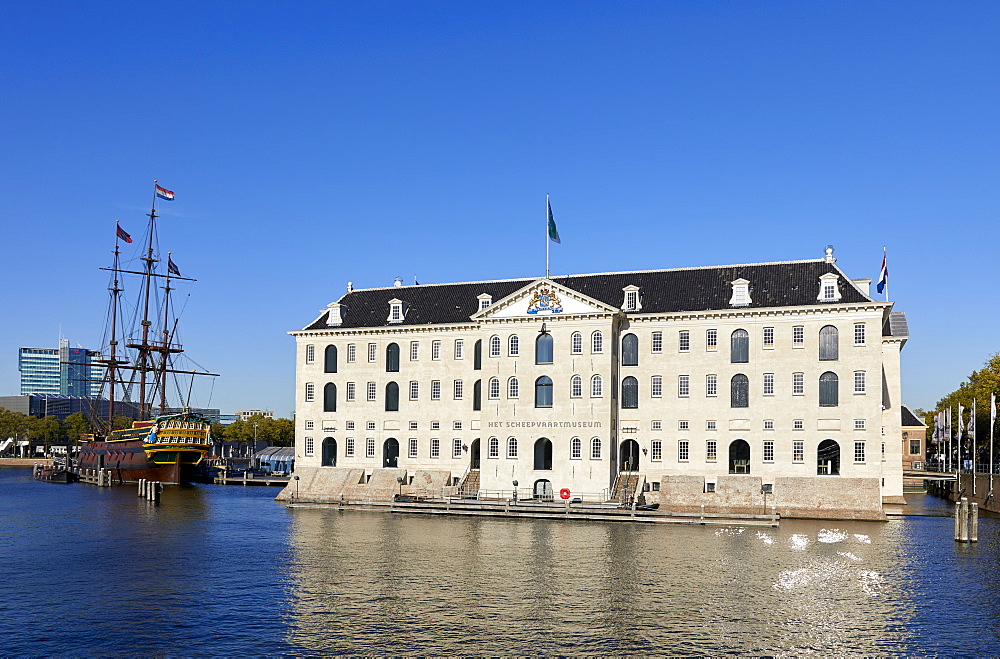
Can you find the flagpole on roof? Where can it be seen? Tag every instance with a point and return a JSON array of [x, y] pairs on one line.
[[884, 256], [154, 196], [546, 235]]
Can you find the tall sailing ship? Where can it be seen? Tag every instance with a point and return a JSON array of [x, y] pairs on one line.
[[158, 446]]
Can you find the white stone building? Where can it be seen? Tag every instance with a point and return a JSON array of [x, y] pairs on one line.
[[735, 387]]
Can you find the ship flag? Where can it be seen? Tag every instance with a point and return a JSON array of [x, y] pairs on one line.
[[172, 267], [123, 235], [168, 195]]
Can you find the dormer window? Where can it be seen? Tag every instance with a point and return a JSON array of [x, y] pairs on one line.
[[334, 316], [741, 293], [396, 311], [632, 301], [485, 300], [829, 289]]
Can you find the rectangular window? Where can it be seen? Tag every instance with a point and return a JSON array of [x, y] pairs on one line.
[[798, 424], [656, 387], [413, 425], [798, 451], [710, 424], [798, 336], [683, 424], [310, 392], [435, 425], [352, 353], [656, 450], [684, 341], [310, 354], [768, 337], [494, 450], [414, 390], [883, 457], [456, 448], [683, 385], [435, 448], [859, 424], [769, 384], [371, 391], [859, 334], [413, 447], [459, 349], [711, 339], [798, 384], [683, 450], [458, 390], [711, 385], [372, 352], [371, 425], [309, 446], [435, 389], [859, 451], [457, 425], [350, 425], [859, 382], [414, 350], [351, 391], [711, 450], [370, 447], [511, 448], [657, 341], [768, 450], [435, 350], [309, 425], [769, 424], [349, 450], [656, 425], [914, 447]]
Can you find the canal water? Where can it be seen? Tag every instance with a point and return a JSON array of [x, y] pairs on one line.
[[226, 570]]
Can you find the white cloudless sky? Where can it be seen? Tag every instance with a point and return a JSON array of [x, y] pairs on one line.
[[315, 143]]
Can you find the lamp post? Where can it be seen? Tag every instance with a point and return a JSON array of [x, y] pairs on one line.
[[296, 479], [399, 481], [515, 492], [251, 450]]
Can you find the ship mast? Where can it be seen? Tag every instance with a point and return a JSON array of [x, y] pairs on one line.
[[162, 379], [145, 350]]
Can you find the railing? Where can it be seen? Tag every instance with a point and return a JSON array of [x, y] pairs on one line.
[[965, 467]]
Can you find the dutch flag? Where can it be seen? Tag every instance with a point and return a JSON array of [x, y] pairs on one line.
[[883, 276], [163, 193]]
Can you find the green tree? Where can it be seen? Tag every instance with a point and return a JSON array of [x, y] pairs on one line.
[[976, 390], [47, 431], [77, 425], [122, 423]]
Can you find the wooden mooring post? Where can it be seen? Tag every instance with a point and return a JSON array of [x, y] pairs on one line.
[[962, 521]]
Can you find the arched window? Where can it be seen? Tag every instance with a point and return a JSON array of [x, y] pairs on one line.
[[575, 386], [513, 388], [494, 388], [513, 345], [829, 344], [597, 342], [330, 359], [477, 356], [828, 389], [630, 393], [543, 454], [543, 349], [739, 391], [494, 447], [477, 396], [595, 448], [543, 391], [575, 448], [596, 386], [828, 458], [392, 397], [330, 397], [630, 350], [512, 447], [739, 347], [576, 343], [392, 358], [494, 346]]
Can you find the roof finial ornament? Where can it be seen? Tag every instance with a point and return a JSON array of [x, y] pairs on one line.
[[350, 287], [398, 281], [829, 255]]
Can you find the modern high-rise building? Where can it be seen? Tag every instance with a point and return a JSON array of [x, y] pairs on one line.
[[64, 370]]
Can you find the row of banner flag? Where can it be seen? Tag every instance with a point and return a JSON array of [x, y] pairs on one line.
[[167, 195], [942, 433]]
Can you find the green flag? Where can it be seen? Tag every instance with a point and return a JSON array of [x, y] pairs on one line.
[[553, 232]]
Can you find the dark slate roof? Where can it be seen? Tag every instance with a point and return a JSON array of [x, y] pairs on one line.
[[909, 418], [896, 325], [789, 283]]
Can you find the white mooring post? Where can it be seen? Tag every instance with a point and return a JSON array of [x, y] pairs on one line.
[[958, 521], [963, 520], [974, 523], [142, 484]]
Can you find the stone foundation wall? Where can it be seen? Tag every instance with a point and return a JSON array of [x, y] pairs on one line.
[[802, 497], [328, 484]]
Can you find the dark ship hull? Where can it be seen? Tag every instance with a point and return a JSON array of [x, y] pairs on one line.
[[168, 450]]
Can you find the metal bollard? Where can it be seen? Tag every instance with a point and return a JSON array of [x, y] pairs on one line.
[[142, 484], [702, 513], [157, 488], [974, 523]]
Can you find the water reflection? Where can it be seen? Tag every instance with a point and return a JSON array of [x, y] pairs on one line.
[[370, 582]]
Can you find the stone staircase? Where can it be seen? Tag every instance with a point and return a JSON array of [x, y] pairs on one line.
[[469, 488], [625, 483]]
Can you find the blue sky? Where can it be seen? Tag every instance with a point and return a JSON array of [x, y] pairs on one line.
[[315, 143]]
